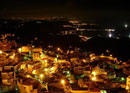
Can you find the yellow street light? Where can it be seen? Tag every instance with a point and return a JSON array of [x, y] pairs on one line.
[[58, 49], [93, 78], [46, 69], [12, 56], [92, 58], [29, 66], [52, 68], [41, 75], [71, 52], [94, 73], [28, 76], [20, 50], [127, 87], [1, 51], [110, 55], [55, 60], [22, 66], [46, 60], [68, 51], [34, 72], [63, 82]]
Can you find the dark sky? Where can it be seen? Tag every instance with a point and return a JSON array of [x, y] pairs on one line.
[[91, 9]]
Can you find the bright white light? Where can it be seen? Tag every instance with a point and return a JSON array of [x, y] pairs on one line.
[[20, 50], [113, 30], [126, 25], [129, 35], [110, 35]]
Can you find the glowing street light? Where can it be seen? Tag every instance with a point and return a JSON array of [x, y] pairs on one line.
[[52, 68], [20, 50], [34, 72], [46, 69], [22, 66], [126, 25], [12, 57], [41, 75], [46, 60], [127, 87], [28, 76], [107, 51], [71, 52], [110, 55], [94, 73], [58, 49], [93, 78], [41, 78], [1, 51], [110, 35], [91, 55], [63, 82], [55, 60]]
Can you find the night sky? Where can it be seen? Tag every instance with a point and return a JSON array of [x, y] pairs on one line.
[[90, 9]]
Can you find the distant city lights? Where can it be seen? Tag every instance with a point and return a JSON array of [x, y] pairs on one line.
[[72, 63], [110, 30]]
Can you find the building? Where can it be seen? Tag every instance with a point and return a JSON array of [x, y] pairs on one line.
[[36, 56], [36, 52], [128, 83], [28, 85], [7, 76]]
